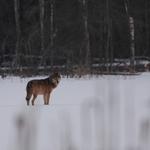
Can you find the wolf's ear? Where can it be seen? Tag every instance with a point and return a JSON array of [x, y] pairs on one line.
[[57, 73]]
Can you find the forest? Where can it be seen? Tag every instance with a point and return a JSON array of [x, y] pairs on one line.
[[76, 37]]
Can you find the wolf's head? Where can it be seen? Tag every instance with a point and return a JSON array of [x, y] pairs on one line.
[[55, 78]]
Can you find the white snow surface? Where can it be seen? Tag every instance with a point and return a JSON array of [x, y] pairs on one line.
[[91, 113]]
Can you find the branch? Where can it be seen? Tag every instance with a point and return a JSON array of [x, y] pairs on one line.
[[138, 57]]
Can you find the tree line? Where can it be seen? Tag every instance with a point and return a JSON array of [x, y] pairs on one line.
[[73, 36]]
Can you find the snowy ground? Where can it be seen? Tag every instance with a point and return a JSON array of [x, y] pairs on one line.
[[104, 113]]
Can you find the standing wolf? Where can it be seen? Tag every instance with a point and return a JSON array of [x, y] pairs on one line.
[[43, 87]]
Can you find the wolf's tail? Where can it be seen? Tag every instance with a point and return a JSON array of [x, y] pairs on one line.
[[29, 90]]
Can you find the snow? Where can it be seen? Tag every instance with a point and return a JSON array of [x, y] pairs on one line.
[[98, 113]]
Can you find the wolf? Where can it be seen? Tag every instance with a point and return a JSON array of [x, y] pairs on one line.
[[147, 67], [42, 87]]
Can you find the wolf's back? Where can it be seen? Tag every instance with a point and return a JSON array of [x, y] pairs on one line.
[[29, 90]]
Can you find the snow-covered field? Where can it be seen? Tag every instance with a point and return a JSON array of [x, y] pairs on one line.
[[101, 113]]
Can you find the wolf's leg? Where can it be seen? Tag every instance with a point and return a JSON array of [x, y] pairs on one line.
[[34, 97], [48, 98], [45, 98], [28, 102], [28, 98]]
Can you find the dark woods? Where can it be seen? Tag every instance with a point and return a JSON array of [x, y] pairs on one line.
[[76, 37]]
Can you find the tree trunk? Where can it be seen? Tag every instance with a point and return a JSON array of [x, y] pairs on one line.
[[18, 31], [41, 4], [132, 44], [52, 35], [86, 37], [147, 27], [101, 43], [131, 27], [41, 7], [111, 47], [108, 35]]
